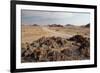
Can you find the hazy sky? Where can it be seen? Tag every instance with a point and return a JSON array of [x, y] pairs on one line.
[[53, 17]]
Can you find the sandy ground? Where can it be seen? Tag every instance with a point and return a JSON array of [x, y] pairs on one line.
[[31, 33]]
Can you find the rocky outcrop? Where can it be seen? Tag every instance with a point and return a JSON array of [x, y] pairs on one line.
[[56, 49]]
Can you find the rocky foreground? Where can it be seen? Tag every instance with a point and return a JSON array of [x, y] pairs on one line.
[[56, 49]]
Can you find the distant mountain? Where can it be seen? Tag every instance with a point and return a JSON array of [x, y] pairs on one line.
[[69, 25], [55, 25], [35, 25], [87, 25]]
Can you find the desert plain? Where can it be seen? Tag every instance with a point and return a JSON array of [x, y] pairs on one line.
[[56, 42]]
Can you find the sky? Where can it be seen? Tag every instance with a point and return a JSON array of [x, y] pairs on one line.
[[29, 17]]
